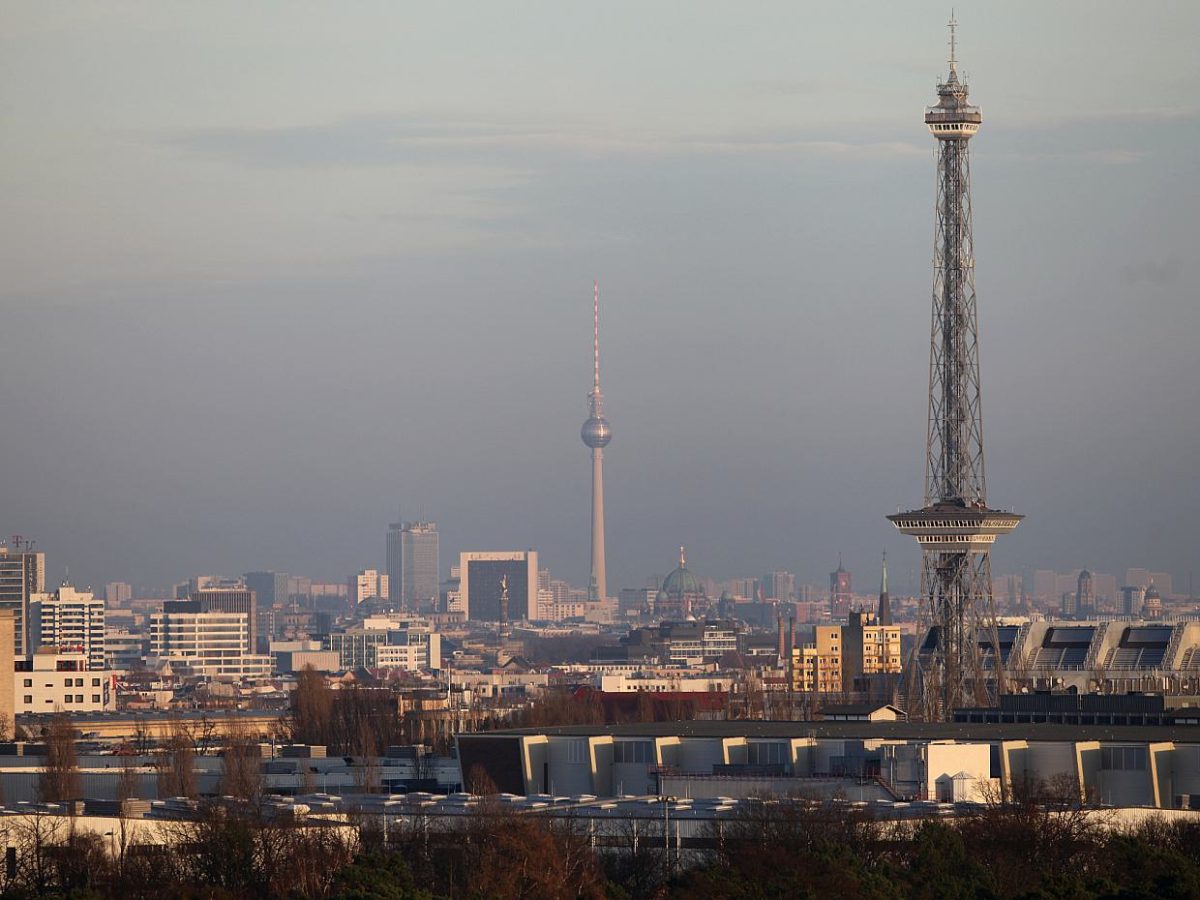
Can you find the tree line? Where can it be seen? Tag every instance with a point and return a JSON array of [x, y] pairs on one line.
[[1031, 845]]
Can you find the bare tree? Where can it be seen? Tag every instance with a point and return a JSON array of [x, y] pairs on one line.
[[59, 779], [176, 765], [243, 771]]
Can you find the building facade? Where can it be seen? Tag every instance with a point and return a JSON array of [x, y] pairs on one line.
[[413, 564], [22, 573], [482, 576], [205, 643], [50, 681], [70, 621]]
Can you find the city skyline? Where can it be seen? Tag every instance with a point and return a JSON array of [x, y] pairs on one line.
[[146, 424]]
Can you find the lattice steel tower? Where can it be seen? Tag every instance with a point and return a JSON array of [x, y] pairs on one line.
[[958, 660]]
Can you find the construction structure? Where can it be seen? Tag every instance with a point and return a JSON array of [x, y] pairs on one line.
[[596, 433], [955, 528]]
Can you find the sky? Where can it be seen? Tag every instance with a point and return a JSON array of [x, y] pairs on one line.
[[276, 274]]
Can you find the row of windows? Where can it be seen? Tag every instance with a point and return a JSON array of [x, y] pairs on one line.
[[66, 699], [771, 754], [1129, 759], [641, 752], [67, 682]]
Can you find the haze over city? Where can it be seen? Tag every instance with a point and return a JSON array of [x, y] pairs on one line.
[[278, 276]]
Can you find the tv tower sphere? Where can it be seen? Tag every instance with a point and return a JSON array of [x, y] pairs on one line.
[[596, 432]]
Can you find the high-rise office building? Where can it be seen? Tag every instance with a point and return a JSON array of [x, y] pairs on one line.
[[69, 621], [22, 573], [226, 598], [270, 588], [1085, 594], [777, 586], [483, 577], [596, 433], [413, 564], [117, 593]]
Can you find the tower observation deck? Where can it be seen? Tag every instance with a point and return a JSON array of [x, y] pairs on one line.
[[955, 528]]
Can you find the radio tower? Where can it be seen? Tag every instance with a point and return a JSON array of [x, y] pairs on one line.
[[956, 527], [596, 434]]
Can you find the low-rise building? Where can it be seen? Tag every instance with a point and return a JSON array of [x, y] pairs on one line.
[[49, 681]]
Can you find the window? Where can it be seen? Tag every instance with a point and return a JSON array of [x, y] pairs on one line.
[[28, 682], [577, 750], [639, 752], [67, 699], [95, 698], [774, 753], [28, 699], [79, 698], [95, 682], [1128, 759]]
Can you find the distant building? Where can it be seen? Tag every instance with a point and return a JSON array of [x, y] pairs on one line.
[[1085, 594], [869, 649], [270, 588], [817, 666], [413, 564], [124, 650], [1132, 598], [777, 585], [367, 585], [682, 594], [69, 621], [676, 644], [480, 576], [118, 593], [212, 643], [229, 598], [1152, 605], [22, 572], [841, 593]]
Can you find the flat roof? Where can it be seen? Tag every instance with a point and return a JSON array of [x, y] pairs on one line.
[[938, 731]]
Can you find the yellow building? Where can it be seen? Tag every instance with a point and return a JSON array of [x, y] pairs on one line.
[[817, 667], [842, 658], [868, 649]]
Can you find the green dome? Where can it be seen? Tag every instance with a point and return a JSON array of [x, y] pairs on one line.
[[681, 581]]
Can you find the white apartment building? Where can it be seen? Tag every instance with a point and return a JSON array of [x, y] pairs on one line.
[[206, 643], [70, 621], [410, 649], [54, 682]]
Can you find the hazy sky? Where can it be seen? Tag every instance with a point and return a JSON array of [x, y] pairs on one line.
[[274, 271]]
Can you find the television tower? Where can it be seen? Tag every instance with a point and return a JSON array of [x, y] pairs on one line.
[[596, 434], [956, 527]]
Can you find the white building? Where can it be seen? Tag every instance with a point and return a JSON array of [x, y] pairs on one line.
[[123, 649], [54, 682], [69, 620], [410, 649], [367, 585], [206, 643]]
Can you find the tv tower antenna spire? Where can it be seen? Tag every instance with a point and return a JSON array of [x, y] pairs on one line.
[[596, 434], [956, 528]]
